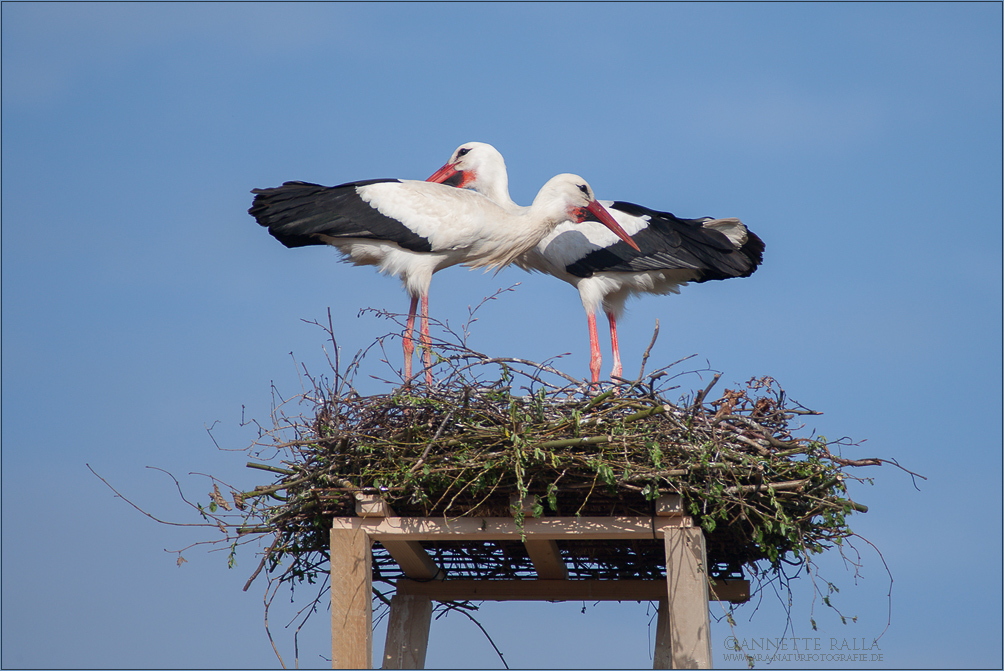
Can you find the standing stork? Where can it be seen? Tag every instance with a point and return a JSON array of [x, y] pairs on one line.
[[668, 252], [411, 229]]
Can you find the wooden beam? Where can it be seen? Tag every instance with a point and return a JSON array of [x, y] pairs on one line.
[[687, 592], [351, 600], [409, 555], [544, 554], [546, 558], [736, 591], [407, 632], [414, 560], [497, 528], [558, 590]]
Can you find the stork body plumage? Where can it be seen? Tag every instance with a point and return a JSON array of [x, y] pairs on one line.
[[668, 253], [412, 229]]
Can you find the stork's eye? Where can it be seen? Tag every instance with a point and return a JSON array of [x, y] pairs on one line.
[[462, 151], [584, 189]]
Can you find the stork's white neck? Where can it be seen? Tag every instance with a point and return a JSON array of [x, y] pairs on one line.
[[524, 227], [493, 183]]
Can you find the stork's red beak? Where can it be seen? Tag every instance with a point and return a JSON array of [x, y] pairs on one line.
[[607, 220], [448, 175]]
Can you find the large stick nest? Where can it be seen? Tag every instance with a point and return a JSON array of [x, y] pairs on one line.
[[494, 428]]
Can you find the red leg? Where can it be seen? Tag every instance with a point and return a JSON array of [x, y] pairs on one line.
[[409, 345], [595, 359], [426, 340], [613, 343]]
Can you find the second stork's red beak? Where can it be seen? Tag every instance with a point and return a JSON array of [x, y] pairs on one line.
[[607, 220]]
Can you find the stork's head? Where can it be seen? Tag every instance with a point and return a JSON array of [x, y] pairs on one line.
[[571, 198], [477, 166]]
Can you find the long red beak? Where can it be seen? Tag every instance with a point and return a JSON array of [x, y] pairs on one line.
[[601, 213], [445, 174]]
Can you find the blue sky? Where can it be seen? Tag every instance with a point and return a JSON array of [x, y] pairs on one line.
[[141, 303]]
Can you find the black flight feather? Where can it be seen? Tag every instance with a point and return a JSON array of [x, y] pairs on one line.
[[300, 213], [672, 243]]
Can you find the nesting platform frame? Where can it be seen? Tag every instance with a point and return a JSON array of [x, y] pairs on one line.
[[683, 625]]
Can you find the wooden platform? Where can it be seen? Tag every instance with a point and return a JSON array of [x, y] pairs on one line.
[[683, 629]]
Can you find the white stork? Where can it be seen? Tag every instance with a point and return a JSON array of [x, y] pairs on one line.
[[411, 229], [669, 251]]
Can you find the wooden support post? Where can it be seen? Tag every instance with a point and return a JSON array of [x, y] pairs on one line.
[[663, 657], [351, 599], [407, 632], [687, 591]]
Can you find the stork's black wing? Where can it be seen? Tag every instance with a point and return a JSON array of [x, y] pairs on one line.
[[300, 213], [672, 243]]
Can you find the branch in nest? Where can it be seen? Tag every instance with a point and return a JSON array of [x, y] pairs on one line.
[[777, 486]]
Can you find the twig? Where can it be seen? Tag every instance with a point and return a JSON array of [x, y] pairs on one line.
[[856, 462], [268, 603], [654, 410], [155, 519], [261, 564], [648, 350], [439, 432], [912, 474], [777, 486], [455, 607], [570, 442], [704, 392], [275, 488], [596, 400], [273, 469]]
